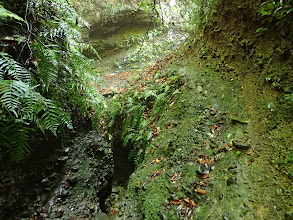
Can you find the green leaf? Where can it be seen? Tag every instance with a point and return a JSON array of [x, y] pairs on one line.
[[261, 30], [264, 12], [6, 16]]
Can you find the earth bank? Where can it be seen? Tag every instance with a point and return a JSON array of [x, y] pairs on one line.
[[222, 150]]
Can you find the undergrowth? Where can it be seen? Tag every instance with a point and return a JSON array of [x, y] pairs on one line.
[[130, 117], [44, 77]]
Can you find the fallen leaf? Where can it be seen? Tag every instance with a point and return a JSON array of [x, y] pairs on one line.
[[157, 160], [248, 153], [222, 148], [250, 162], [173, 178], [214, 127], [176, 202], [192, 203], [186, 200], [202, 191]]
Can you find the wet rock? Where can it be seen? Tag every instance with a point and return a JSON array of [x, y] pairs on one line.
[[75, 168], [63, 193], [240, 120], [73, 180], [115, 190], [240, 145], [59, 213], [203, 169], [45, 182], [231, 180], [101, 216]]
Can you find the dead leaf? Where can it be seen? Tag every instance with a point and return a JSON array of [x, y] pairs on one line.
[[214, 127], [251, 161], [192, 203], [186, 200], [176, 202], [222, 148], [202, 191], [248, 153], [158, 160], [174, 177]]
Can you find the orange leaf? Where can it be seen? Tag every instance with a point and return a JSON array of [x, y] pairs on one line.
[[248, 153], [250, 162], [201, 191], [176, 202], [192, 203], [186, 200], [205, 176]]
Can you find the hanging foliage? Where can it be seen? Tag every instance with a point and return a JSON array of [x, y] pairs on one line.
[[43, 74]]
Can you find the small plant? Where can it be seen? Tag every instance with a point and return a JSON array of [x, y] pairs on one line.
[[271, 106], [276, 9]]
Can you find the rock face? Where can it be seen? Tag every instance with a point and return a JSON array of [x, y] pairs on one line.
[[110, 37], [71, 183]]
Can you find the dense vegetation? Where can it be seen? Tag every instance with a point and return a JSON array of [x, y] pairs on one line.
[[206, 115], [44, 75]]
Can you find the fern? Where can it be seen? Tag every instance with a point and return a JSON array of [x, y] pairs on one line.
[[58, 78], [6, 16], [10, 69], [160, 104], [27, 105], [14, 139]]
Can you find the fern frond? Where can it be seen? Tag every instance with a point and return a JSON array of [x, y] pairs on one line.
[[49, 64], [27, 105], [149, 93], [11, 69], [12, 93], [6, 15], [14, 140], [160, 104]]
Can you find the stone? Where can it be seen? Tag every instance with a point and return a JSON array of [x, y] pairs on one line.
[[115, 190], [231, 180], [59, 213], [45, 182], [63, 193], [75, 168], [101, 216], [73, 180], [203, 169]]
